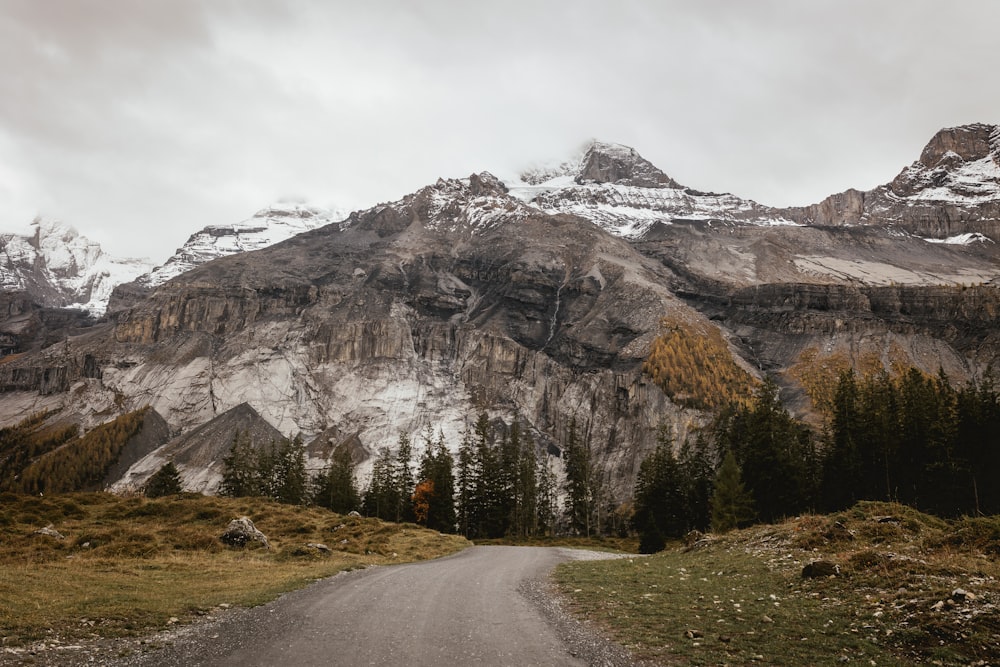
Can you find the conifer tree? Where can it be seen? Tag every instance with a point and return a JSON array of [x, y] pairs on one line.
[[732, 504], [165, 482], [660, 504], [404, 479], [240, 474], [578, 486], [775, 455], [697, 472], [436, 491], [526, 518], [381, 497], [547, 510], [288, 481], [467, 482], [335, 488]]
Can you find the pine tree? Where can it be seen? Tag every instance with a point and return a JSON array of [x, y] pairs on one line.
[[578, 487], [526, 519], [381, 498], [165, 482], [660, 503], [404, 479], [697, 473], [240, 474], [467, 482], [438, 482], [775, 454], [547, 510], [334, 488], [843, 470], [732, 504], [289, 481]]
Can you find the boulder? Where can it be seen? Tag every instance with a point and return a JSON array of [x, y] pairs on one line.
[[820, 568], [241, 531], [49, 531]]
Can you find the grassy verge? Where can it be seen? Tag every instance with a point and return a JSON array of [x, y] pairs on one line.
[[741, 599], [129, 566]]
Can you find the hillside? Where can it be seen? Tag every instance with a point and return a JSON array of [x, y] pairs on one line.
[[80, 571], [904, 588]]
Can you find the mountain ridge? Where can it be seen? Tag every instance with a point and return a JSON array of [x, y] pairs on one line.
[[465, 297]]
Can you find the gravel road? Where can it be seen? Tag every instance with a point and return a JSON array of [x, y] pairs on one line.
[[483, 606]]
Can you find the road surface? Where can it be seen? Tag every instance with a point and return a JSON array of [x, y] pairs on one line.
[[466, 609]]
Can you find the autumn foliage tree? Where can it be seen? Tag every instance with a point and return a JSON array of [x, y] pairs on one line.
[[59, 460], [422, 495], [695, 368]]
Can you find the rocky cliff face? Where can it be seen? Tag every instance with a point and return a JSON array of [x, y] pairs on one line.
[[454, 300], [620, 191], [537, 300]]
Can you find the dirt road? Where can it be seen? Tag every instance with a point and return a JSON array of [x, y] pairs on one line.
[[469, 609]]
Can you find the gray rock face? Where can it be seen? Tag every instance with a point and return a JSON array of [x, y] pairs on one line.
[[614, 163], [198, 453], [455, 300]]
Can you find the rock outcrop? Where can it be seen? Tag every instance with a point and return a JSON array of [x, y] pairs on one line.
[[267, 227], [241, 532]]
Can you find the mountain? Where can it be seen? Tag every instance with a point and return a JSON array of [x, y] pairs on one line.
[[540, 300], [56, 267], [267, 227], [951, 193], [617, 189]]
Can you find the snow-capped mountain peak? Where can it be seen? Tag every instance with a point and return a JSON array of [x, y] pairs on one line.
[[960, 165], [61, 268], [614, 187], [267, 226]]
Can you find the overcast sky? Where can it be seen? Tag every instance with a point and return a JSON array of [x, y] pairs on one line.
[[142, 121]]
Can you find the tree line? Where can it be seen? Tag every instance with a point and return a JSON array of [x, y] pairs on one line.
[[496, 485], [909, 438]]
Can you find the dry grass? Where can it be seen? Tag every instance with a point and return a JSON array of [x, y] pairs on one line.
[[706, 605], [132, 565]]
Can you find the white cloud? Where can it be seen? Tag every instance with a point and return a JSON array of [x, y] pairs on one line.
[[139, 123]]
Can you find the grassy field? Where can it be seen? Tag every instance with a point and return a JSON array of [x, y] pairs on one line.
[[127, 566], [741, 599]]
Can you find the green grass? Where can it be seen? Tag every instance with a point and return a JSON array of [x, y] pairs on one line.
[[131, 565], [707, 605]]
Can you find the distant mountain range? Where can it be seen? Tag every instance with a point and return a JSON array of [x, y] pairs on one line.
[[538, 299]]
